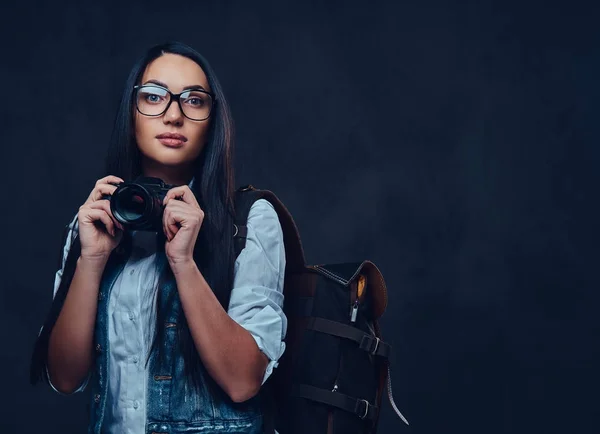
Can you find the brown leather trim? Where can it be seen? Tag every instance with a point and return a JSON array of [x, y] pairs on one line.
[[376, 288], [293, 243], [301, 284]]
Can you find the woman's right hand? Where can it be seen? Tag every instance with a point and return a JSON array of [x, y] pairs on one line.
[[99, 232]]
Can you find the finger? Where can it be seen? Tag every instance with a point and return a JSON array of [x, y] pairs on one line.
[[100, 190], [109, 179], [164, 226], [182, 192], [184, 209], [177, 205], [94, 215], [185, 213], [105, 206], [172, 226], [173, 221], [168, 232]]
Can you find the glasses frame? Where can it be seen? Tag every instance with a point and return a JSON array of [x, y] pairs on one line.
[[174, 97]]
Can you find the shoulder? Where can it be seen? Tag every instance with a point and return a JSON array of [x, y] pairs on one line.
[[263, 219], [264, 249], [265, 234], [262, 206]]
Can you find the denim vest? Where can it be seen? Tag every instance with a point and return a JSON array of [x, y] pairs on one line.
[[172, 406]]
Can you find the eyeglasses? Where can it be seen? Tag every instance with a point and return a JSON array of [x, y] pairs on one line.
[[154, 100]]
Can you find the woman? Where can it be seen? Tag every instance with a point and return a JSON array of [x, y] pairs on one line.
[[173, 333]]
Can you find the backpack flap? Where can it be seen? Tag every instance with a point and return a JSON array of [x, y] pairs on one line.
[[348, 274], [333, 367]]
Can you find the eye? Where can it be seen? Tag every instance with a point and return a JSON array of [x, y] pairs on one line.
[[152, 98], [153, 94], [194, 99]]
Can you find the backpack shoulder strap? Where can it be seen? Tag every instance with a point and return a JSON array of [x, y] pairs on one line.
[[294, 253], [244, 199], [40, 349]]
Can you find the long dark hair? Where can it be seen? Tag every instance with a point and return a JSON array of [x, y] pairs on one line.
[[214, 190], [213, 187]]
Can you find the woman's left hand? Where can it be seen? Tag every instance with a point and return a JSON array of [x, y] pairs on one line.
[[182, 220]]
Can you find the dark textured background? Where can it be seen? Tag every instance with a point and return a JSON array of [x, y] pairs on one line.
[[454, 144]]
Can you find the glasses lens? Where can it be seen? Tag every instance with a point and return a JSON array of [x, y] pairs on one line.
[[152, 100], [196, 104]]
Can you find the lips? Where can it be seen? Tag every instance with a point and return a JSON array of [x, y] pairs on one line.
[[172, 140]]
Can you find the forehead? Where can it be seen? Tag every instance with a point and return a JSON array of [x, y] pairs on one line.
[[176, 72]]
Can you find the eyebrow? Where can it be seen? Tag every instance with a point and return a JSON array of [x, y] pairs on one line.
[[160, 83]]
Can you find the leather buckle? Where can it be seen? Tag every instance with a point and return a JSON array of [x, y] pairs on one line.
[[377, 340], [370, 344], [366, 412]]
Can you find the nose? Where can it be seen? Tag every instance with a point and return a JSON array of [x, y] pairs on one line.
[[173, 115]]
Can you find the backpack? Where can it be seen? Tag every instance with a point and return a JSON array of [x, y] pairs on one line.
[[335, 368]]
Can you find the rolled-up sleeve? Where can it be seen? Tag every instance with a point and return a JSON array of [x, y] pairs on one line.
[[256, 301]]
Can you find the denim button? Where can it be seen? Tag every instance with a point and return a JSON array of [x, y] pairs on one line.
[[131, 316], [96, 398], [98, 348], [135, 359], [136, 404], [100, 296]]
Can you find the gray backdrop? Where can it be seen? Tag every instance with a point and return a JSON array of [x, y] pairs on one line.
[[453, 144]]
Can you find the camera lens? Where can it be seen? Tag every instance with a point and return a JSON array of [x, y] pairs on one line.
[[131, 204]]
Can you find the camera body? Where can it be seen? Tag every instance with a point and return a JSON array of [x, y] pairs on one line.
[[138, 205]]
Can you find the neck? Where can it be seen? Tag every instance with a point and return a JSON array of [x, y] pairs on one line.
[[174, 175]]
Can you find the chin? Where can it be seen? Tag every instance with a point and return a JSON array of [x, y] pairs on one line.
[[172, 162], [168, 159]]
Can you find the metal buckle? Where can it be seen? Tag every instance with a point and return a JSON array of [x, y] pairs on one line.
[[366, 408], [377, 340], [236, 229]]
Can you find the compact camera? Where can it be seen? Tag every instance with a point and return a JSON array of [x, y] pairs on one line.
[[138, 205]]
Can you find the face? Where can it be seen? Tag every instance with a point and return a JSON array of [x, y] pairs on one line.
[[171, 158]]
